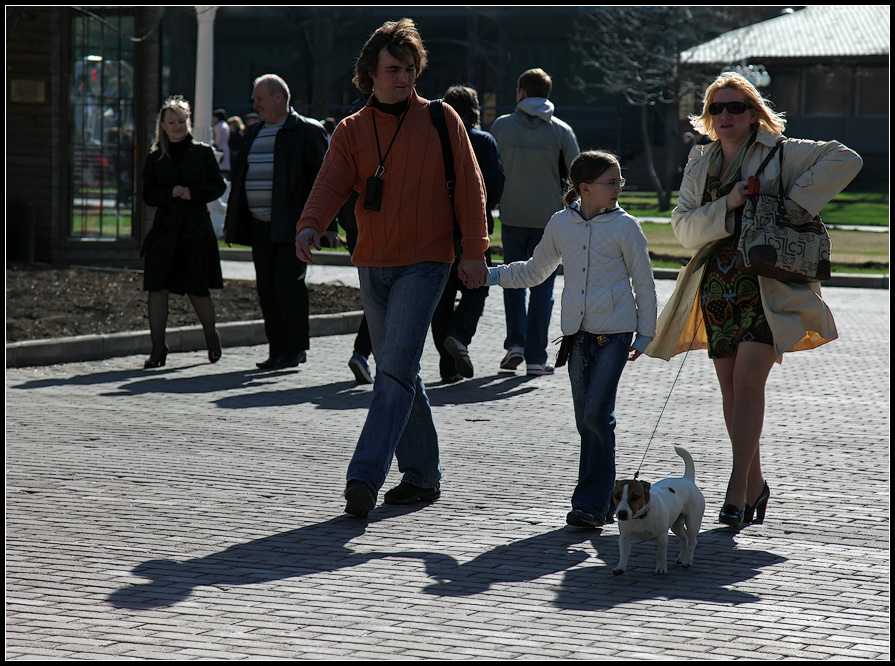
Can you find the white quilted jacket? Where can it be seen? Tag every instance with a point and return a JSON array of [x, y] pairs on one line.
[[606, 266]]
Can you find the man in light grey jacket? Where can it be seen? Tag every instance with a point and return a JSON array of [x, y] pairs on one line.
[[536, 149]]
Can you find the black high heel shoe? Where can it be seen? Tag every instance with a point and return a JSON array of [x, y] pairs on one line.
[[730, 515], [156, 361], [755, 514], [214, 354]]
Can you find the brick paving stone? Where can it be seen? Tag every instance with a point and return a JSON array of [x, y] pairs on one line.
[[195, 512]]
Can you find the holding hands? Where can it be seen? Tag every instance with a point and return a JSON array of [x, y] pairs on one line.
[[473, 272]]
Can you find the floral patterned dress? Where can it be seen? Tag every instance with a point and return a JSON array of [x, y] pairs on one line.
[[730, 298]]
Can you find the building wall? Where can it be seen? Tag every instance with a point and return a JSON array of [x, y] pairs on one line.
[[40, 170], [32, 176]]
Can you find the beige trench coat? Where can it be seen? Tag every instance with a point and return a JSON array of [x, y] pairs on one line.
[[813, 173]]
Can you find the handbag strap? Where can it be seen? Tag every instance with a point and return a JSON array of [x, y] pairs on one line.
[[781, 195], [767, 159]]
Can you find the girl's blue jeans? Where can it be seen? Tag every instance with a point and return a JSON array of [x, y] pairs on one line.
[[398, 304], [594, 372]]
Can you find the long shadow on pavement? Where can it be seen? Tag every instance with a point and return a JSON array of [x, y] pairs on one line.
[[269, 391], [323, 547], [593, 588], [312, 549], [719, 564], [348, 395]]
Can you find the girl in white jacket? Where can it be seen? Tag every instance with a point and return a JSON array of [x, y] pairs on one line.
[[609, 296]]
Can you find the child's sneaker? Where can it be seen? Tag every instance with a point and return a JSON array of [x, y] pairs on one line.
[[539, 369]]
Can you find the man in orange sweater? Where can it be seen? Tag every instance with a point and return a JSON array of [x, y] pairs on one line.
[[390, 152]]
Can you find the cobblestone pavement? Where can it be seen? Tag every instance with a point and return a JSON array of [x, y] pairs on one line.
[[195, 512]]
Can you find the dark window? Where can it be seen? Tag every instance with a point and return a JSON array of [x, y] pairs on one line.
[[784, 91], [101, 102], [873, 91], [829, 91]]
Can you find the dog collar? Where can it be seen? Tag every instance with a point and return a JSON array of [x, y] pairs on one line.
[[643, 515]]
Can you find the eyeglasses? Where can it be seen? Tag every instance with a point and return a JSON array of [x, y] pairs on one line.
[[613, 183], [736, 108]]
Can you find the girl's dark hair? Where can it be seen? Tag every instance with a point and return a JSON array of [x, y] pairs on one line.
[[402, 40], [587, 167], [465, 101]]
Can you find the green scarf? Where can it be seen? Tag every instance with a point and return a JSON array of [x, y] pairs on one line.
[[718, 185]]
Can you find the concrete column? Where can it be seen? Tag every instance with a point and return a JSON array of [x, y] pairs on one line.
[[204, 99]]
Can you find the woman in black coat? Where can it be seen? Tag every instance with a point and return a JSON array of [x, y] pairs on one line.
[[180, 177]]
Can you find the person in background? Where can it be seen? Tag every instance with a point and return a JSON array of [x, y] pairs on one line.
[[180, 177], [453, 328], [747, 322], [237, 129], [274, 173], [222, 139], [536, 149]]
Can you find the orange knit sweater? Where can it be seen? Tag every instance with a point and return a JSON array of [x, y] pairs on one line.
[[415, 222]]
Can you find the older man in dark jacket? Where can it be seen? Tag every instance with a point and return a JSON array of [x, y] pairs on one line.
[[272, 177]]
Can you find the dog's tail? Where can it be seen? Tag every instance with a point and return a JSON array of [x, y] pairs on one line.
[[689, 467]]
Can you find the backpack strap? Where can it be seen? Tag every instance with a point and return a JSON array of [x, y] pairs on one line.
[[436, 110]]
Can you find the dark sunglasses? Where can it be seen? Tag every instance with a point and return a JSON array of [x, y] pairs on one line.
[[736, 108]]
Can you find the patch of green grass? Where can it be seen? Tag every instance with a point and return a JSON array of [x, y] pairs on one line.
[[847, 208], [108, 223], [853, 251]]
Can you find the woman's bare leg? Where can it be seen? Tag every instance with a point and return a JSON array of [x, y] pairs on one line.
[[743, 378]]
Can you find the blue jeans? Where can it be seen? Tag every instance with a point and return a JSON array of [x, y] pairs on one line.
[[398, 304], [594, 372], [527, 329]]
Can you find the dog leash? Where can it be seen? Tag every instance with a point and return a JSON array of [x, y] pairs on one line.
[[668, 397]]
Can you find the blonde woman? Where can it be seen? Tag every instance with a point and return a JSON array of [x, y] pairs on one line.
[[179, 178], [745, 322]]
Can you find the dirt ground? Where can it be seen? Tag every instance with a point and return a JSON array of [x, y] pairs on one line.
[[44, 302]]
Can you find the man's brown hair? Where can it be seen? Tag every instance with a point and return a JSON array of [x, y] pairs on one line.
[[402, 40], [536, 83]]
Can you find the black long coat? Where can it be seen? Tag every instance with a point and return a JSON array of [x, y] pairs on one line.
[[181, 249]]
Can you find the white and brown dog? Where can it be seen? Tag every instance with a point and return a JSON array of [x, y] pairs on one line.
[[647, 512]]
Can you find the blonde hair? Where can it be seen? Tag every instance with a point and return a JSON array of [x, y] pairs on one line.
[[587, 167], [772, 121], [174, 103]]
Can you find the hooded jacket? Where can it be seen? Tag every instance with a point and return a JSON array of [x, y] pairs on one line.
[[532, 144]]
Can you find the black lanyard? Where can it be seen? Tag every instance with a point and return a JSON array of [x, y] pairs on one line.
[[381, 169]]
